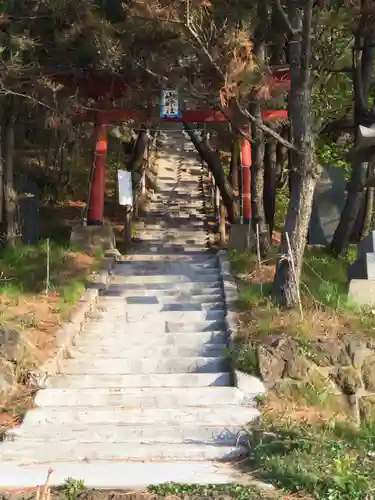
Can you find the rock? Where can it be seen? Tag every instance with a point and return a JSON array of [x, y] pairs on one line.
[[10, 340], [358, 352], [349, 379], [330, 352], [368, 373], [367, 408], [298, 368], [271, 366], [7, 375]]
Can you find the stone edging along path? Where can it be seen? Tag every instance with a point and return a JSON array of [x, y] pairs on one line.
[[248, 384], [69, 330]]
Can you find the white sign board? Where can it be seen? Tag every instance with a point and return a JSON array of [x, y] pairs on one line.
[[125, 189], [170, 106]]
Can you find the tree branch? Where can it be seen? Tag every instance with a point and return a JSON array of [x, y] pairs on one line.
[[288, 27]]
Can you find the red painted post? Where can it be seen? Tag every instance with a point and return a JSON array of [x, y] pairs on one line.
[[246, 179], [96, 203]]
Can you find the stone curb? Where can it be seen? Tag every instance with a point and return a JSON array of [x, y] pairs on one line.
[[68, 331], [251, 386]]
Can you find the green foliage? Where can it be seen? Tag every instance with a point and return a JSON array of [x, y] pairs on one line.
[[332, 462], [73, 488], [330, 154], [235, 491], [23, 269]]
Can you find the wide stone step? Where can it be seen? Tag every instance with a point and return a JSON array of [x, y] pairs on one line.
[[166, 270], [117, 475], [142, 397], [213, 415], [202, 301], [147, 351], [138, 313], [196, 293], [143, 434], [125, 339], [164, 279], [33, 453], [104, 380], [204, 287], [147, 365], [196, 259], [118, 326]]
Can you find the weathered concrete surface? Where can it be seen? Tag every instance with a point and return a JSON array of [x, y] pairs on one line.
[[145, 394]]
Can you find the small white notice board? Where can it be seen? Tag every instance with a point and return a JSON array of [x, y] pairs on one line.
[[125, 189]]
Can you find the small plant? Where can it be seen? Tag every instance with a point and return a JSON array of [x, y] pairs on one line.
[[73, 488], [214, 491]]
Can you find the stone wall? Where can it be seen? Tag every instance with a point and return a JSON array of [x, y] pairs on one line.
[[338, 373]]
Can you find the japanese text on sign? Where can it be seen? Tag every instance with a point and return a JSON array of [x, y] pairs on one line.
[[170, 107]]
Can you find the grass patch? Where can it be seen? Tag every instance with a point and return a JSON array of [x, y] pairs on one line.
[[235, 491], [330, 462], [315, 451]]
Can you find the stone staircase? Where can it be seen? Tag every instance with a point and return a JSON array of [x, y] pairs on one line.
[[146, 396]]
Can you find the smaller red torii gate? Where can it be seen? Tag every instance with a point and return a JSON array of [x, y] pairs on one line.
[[110, 88]]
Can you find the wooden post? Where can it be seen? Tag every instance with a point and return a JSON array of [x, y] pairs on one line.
[[246, 179], [222, 224]]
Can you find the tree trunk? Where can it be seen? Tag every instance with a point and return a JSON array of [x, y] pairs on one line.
[[136, 161], [302, 175], [10, 195], [362, 67], [257, 168], [234, 177], [213, 162]]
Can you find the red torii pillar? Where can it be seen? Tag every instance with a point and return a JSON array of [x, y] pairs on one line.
[[95, 212]]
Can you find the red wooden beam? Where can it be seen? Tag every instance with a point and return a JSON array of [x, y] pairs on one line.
[[189, 116]]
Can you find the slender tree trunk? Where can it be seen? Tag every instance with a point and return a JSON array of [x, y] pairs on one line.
[[257, 168], [234, 177], [302, 176], [2, 174], [213, 162], [137, 158], [10, 195]]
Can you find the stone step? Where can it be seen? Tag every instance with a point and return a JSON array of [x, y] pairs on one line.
[[136, 313], [195, 293], [166, 270], [200, 434], [195, 259], [155, 339], [62, 451], [105, 380], [142, 398], [118, 326], [117, 475], [205, 301], [203, 286], [214, 415], [165, 279], [148, 351], [147, 365]]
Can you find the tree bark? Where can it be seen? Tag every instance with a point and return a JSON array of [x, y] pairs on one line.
[[302, 175], [10, 195], [363, 57], [234, 176], [136, 161], [213, 162], [257, 168]]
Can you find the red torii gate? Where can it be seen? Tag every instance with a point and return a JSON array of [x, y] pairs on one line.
[[114, 87]]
